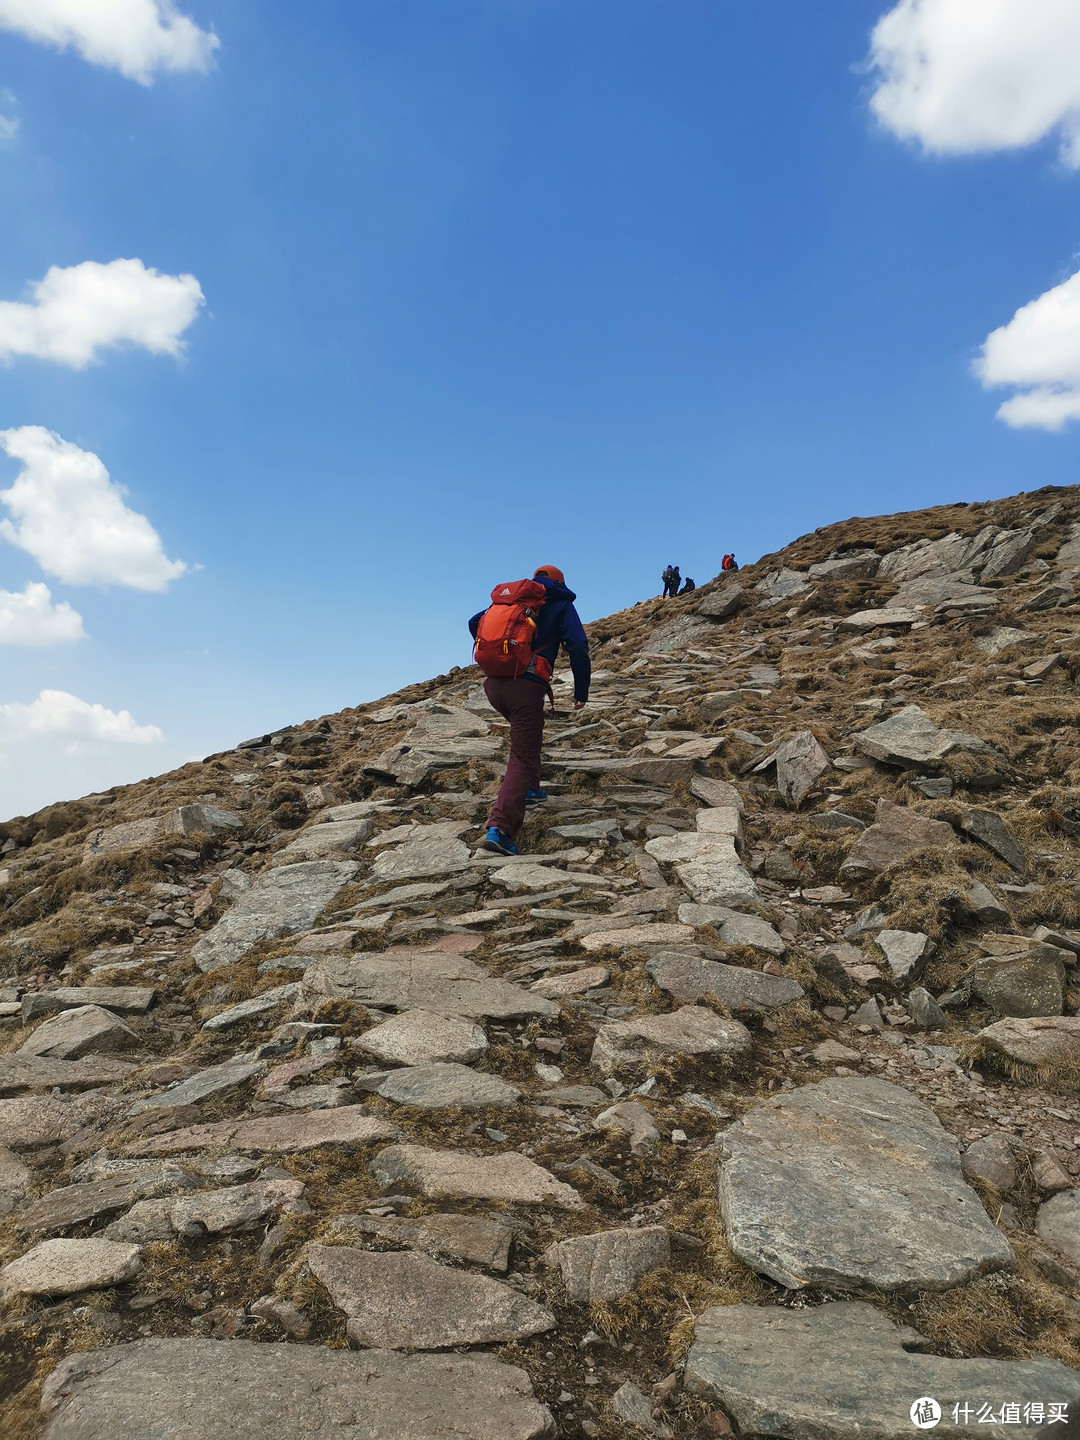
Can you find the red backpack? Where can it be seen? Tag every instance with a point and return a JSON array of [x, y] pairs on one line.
[[505, 633]]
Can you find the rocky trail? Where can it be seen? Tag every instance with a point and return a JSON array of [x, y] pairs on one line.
[[744, 1102]]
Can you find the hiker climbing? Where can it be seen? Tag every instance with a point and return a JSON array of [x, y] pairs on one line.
[[729, 563], [688, 585], [672, 580], [517, 642]]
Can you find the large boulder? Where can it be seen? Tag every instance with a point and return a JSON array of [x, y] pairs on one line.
[[138, 834], [282, 901], [1031, 982], [910, 738], [849, 1184], [1044, 1043], [844, 1371], [897, 833], [426, 980]]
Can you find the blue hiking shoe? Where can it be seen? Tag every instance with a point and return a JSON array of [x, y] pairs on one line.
[[500, 843], [534, 796]]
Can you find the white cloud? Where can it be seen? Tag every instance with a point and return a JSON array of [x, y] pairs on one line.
[[29, 617], [9, 124], [963, 76], [72, 519], [77, 311], [136, 37], [57, 714], [1038, 351]]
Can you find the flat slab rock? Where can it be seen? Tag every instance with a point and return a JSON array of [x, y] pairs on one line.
[[332, 837], [42, 1072], [64, 1267], [688, 979], [708, 866], [608, 1265], [282, 901], [845, 1372], [124, 999], [86, 1030], [735, 928], [462, 1237], [911, 738], [896, 833], [406, 1301], [237, 1207], [72, 1204], [627, 938], [447, 984], [214, 1080], [1049, 1042], [510, 1178], [691, 1030], [417, 859], [853, 1183], [27, 1122], [419, 1037], [431, 1087], [249, 1391], [349, 1126]]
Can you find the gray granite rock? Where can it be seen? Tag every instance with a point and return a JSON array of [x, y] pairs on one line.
[[427, 980], [897, 833], [835, 822], [431, 1087], [853, 1183], [1026, 984], [910, 738], [282, 901], [64, 1267], [237, 1207], [214, 1080], [718, 794], [857, 565], [28, 1122], [924, 1009], [591, 830], [784, 584], [981, 904], [609, 1264], [571, 982], [420, 1037], [41, 1072], [124, 999], [407, 1301], [993, 1159], [332, 837], [689, 978], [461, 1237], [138, 834], [86, 1030], [735, 928], [350, 1127], [690, 1030], [1048, 1043], [257, 1005], [708, 865], [416, 859], [728, 600], [1058, 1223], [1011, 550], [249, 1391], [72, 1204], [629, 1405], [15, 1182], [907, 952], [885, 617], [799, 762], [510, 1178], [990, 830], [946, 556], [632, 1119], [844, 1371]]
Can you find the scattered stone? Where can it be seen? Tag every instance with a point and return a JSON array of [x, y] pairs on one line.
[[1058, 1223], [993, 1160], [593, 830], [124, 999], [257, 1005], [608, 1265], [1026, 984], [835, 822], [907, 952], [717, 794], [334, 837], [689, 978], [844, 1371], [407, 1301], [867, 922], [629, 1118], [1048, 1172], [349, 1126], [251, 1391], [138, 834], [728, 600], [426, 980], [282, 901], [713, 705], [575, 982], [418, 858], [201, 1086], [852, 1183], [86, 1030], [896, 834], [691, 1030], [990, 830], [15, 1180], [910, 738], [431, 1087], [1002, 637], [933, 787], [868, 1013], [64, 1267], [799, 762], [284, 1313], [708, 866], [924, 1010], [510, 1178], [461, 1237], [238, 1207], [981, 904], [420, 1037], [735, 928], [629, 1405]]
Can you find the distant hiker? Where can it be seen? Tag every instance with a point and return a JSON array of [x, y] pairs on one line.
[[676, 581], [729, 563], [517, 642], [666, 576], [688, 585]]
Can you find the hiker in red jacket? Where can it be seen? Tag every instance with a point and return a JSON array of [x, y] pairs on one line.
[[729, 563], [533, 619]]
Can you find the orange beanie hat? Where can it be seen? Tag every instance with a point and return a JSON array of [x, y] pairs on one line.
[[552, 572]]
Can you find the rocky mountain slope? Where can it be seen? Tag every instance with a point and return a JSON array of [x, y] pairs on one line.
[[744, 1102]]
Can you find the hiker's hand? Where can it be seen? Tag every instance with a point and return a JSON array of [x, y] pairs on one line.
[[579, 704]]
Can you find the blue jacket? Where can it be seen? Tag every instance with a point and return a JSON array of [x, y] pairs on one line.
[[559, 625]]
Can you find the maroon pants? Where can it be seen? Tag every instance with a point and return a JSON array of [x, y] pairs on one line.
[[521, 702]]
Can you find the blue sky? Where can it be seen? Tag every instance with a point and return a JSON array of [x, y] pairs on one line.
[[489, 284]]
